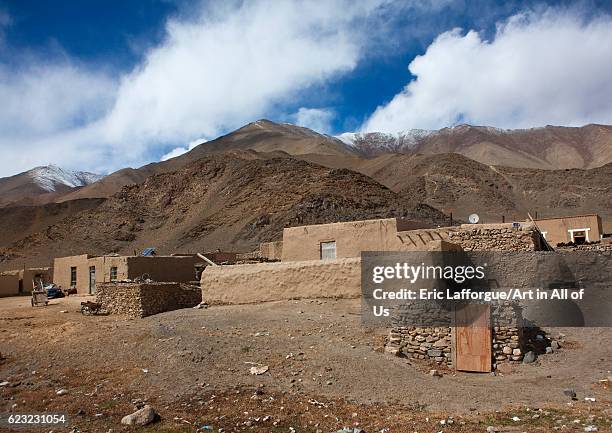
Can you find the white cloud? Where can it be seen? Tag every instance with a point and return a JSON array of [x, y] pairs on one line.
[[228, 65], [553, 67], [178, 151], [317, 119]]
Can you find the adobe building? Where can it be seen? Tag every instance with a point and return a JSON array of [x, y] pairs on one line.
[[30, 277], [349, 239], [22, 282], [84, 271], [577, 229]]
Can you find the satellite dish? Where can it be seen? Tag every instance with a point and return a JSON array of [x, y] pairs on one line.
[[474, 218]]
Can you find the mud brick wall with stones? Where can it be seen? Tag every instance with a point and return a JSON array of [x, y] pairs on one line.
[[498, 237], [145, 299], [421, 343]]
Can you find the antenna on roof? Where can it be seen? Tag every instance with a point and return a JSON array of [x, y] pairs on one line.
[[474, 218]]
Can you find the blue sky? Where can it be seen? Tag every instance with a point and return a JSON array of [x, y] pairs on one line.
[[100, 85]]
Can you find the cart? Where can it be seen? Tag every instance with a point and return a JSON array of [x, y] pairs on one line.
[[39, 297]]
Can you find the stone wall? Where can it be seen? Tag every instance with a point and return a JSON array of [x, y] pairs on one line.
[[145, 299], [435, 343], [422, 343], [496, 237]]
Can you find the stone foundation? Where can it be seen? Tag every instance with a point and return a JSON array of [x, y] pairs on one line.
[[145, 299]]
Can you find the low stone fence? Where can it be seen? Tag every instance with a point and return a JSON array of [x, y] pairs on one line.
[[145, 299], [244, 284]]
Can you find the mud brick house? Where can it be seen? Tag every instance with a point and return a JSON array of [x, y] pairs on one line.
[[84, 271], [577, 229], [22, 281], [349, 239]]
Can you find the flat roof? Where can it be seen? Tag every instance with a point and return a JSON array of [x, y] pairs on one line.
[[568, 217]]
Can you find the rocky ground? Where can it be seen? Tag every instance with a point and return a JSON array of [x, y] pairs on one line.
[[321, 370]]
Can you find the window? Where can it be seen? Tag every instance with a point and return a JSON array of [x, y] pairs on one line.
[[328, 250], [73, 276], [579, 236], [113, 273]]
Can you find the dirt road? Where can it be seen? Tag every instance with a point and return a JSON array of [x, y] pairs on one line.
[[326, 371]]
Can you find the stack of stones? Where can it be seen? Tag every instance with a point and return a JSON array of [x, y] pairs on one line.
[[432, 343], [508, 344], [496, 238], [137, 300]]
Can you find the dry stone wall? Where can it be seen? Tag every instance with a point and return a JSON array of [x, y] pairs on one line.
[[497, 237], [145, 299], [422, 343]]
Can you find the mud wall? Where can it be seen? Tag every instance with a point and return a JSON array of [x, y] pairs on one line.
[[137, 300], [243, 284], [271, 250], [9, 285], [163, 268]]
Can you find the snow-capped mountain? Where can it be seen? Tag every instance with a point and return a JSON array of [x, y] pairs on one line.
[[49, 177], [397, 142], [42, 185], [548, 147]]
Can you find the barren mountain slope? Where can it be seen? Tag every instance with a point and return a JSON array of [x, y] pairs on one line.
[[227, 201], [455, 183], [260, 136], [550, 147]]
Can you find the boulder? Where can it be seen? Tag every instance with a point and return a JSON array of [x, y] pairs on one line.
[[529, 357], [141, 417]]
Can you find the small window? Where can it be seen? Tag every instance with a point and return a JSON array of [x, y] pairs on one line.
[[328, 250], [113, 273], [73, 276]]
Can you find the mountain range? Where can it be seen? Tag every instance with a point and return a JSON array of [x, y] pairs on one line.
[[244, 187]]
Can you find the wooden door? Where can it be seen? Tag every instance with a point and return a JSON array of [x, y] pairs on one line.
[[473, 338]]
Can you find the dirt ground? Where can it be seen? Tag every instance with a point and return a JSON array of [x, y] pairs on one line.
[[326, 372]]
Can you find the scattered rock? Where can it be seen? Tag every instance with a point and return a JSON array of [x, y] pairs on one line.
[[491, 429], [590, 428], [62, 391], [555, 345], [259, 370], [4, 383], [141, 417], [570, 393], [529, 357], [435, 373]]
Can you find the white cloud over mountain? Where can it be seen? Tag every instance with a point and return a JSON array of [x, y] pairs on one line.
[[233, 62], [317, 119], [552, 67]]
